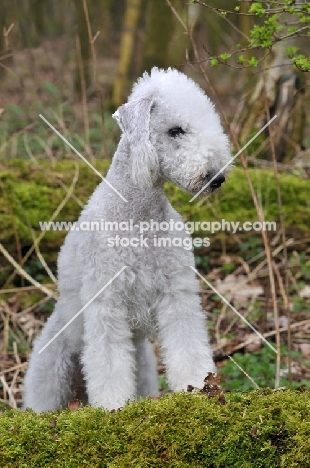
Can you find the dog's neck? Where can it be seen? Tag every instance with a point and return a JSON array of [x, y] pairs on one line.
[[143, 204]]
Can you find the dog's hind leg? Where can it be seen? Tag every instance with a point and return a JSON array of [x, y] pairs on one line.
[[147, 378], [48, 381]]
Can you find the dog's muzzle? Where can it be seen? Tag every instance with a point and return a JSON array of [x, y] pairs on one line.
[[216, 182]]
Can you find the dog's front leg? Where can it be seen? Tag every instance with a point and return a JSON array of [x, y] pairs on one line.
[[183, 334], [108, 357]]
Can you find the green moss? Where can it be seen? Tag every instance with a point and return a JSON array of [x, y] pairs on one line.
[[31, 193], [257, 429], [234, 202]]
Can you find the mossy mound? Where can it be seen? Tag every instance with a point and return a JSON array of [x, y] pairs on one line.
[[234, 201], [31, 193], [257, 429]]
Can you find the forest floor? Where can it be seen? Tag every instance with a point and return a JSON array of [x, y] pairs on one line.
[[238, 271]]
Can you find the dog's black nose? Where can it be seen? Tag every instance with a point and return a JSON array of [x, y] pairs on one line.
[[217, 182]]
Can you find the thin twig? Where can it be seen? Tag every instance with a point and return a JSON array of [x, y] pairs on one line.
[[11, 369], [83, 88], [286, 304], [9, 391], [266, 335], [24, 288], [243, 371], [23, 273], [98, 90]]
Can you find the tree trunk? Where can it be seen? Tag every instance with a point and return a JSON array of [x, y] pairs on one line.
[[132, 14], [100, 15], [281, 89], [158, 32], [38, 16]]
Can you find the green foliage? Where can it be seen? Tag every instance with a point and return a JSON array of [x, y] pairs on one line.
[[299, 304], [257, 9], [301, 62], [35, 269], [260, 366], [49, 87], [202, 262], [263, 36], [251, 247], [225, 56], [273, 22], [15, 110], [19, 338], [257, 429], [228, 267], [291, 51], [162, 383], [252, 62], [304, 267]]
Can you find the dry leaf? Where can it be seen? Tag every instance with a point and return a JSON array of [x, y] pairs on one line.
[[74, 405], [221, 400], [213, 380], [305, 349], [14, 304]]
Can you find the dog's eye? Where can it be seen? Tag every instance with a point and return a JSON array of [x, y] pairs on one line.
[[175, 131]]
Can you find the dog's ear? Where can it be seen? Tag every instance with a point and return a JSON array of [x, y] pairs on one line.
[[133, 119]]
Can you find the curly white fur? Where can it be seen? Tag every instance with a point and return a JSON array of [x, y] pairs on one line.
[[158, 291]]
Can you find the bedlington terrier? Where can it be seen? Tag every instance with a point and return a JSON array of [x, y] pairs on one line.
[[170, 131]]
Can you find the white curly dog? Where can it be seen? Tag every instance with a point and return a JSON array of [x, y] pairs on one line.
[[170, 131]]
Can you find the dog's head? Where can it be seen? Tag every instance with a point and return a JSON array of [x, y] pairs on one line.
[[174, 133]]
